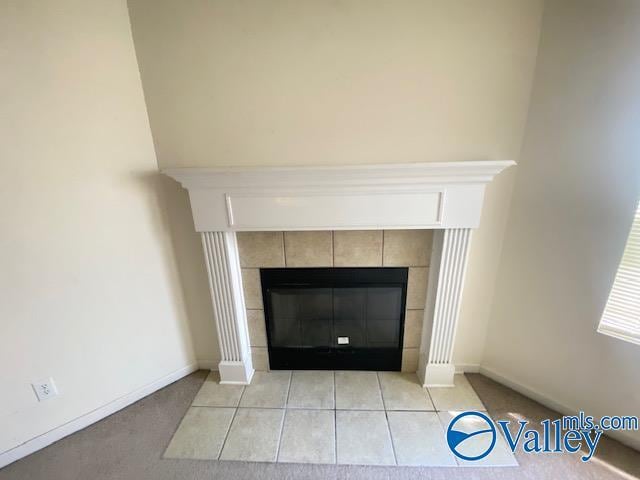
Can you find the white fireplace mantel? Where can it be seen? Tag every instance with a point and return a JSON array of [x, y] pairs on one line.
[[446, 197], [415, 195]]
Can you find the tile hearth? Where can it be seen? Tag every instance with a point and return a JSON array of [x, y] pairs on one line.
[[343, 417]]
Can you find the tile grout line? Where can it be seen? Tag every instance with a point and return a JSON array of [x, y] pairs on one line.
[[235, 411], [244, 387], [284, 414], [226, 435], [286, 401], [284, 250], [379, 390], [393, 447], [335, 420], [384, 405], [386, 419], [325, 409], [433, 404], [333, 374], [333, 249]]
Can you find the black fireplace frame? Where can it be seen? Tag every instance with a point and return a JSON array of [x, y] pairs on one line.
[[336, 357]]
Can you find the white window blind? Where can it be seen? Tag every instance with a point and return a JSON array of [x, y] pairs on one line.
[[621, 317]]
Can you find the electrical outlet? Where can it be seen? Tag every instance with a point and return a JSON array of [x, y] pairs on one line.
[[45, 389]]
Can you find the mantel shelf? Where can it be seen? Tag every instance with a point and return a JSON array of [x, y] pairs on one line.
[[410, 174]]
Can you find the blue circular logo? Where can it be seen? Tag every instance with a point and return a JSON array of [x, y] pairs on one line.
[[469, 425]]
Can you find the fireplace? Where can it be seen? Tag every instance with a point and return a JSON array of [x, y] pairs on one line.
[[445, 198], [334, 318]]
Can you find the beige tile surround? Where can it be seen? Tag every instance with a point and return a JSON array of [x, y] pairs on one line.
[[348, 248]]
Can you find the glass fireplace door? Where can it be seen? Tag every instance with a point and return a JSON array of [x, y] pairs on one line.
[[335, 318]]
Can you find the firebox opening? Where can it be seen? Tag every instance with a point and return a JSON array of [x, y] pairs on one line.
[[334, 318]]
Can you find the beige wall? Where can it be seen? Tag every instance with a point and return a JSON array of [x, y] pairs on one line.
[[577, 188], [89, 286], [341, 82]]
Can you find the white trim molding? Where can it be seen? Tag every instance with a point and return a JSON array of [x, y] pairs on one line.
[[626, 437], [414, 195], [445, 197], [448, 262], [83, 421], [225, 284], [467, 368], [208, 364]]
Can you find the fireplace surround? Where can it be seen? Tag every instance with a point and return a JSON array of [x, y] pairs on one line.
[[444, 197], [340, 249]]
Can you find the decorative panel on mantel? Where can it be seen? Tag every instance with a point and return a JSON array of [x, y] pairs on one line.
[[351, 197]]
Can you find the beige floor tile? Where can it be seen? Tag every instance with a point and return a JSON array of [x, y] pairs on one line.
[[500, 456], [402, 391], [459, 397], [201, 433], [254, 435], [363, 438], [308, 436], [407, 248], [419, 439], [308, 249], [212, 394], [267, 390], [261, 249], [358, 391], [311, 389], [357, 248]]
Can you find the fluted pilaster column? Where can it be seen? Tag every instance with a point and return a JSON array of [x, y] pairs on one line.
[[225, 284], [449, 261]]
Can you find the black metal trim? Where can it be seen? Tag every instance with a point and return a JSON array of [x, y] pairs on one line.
[[340, 358]]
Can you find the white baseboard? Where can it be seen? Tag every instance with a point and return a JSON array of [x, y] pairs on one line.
[[467, 368], [41, 441], [98, 414], [527, 391], [206, 364]]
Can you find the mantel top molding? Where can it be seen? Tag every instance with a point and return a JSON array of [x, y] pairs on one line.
[[410, 195], [410, 174]]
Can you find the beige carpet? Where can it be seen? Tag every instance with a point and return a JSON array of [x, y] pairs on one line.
[[130, 443]]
